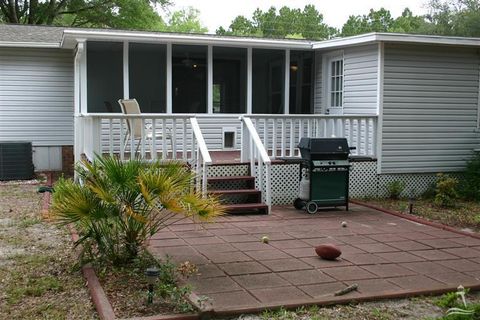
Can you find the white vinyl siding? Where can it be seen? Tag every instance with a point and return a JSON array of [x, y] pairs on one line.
[[360, 80], [317, 98], [360, 70], [36, 96], [429, 109]]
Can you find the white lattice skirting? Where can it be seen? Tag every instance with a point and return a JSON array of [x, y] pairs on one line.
[[364, 181]]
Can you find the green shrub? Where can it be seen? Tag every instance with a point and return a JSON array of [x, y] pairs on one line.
[[446, 191], [471, 184], [395, 189], [429, 193], [448, 300], [119, 205]]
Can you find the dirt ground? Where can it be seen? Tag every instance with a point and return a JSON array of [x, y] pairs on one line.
[[39, 275], [40, 278]]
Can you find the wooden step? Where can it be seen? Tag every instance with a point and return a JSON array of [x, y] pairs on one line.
[[235, 192], [230, 178], [246, 208]]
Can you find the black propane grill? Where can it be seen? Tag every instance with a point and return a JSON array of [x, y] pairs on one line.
[[325, 168]]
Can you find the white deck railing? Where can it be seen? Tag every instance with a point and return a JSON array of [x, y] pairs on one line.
[[201, 157], [162, 136], [254, 151], [280, 134], [159, 136]]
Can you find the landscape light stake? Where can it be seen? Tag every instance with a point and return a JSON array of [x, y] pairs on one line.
[[152, 275], [411, 201]]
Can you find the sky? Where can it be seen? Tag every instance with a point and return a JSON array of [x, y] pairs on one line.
[[216, 13]]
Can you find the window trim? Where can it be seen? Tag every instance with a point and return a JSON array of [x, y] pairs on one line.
[[327, 60]]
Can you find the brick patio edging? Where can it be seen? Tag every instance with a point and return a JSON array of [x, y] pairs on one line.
[[99, 298], [417, 219], [342, 300]]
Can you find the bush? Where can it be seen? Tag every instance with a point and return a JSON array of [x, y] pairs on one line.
[[429, 193], [119, 205], [471, 185], [395, 189], [446, 191]]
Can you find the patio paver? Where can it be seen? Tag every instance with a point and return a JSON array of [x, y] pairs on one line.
[[383, 254]]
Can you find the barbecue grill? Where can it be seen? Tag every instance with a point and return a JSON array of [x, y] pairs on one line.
[[324, 173]]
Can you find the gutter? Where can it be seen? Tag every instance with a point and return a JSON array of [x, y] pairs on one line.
[[13, 44]]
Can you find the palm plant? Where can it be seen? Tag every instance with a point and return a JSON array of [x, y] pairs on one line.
[[119, 205]]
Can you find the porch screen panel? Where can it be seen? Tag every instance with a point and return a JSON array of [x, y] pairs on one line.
[[229, 80], [104, 76], [268, 81], [189, 79], [301, 80], [147, 76]]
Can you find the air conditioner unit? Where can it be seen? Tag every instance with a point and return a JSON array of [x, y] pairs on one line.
[[16, 161]]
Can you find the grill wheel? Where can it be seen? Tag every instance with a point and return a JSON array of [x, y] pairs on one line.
[[312, 207]]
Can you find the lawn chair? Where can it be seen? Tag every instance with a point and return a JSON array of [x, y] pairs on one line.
[[134, 127]]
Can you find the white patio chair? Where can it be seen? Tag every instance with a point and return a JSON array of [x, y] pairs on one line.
[[134, 127]]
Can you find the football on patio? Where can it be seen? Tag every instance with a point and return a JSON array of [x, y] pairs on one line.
[[328, 251]]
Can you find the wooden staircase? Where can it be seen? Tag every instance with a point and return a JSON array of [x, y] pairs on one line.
[[237, 192]]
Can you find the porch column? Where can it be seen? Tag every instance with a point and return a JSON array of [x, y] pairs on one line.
[[169, 78], [286, 103], [210, 79], [249, 80], [83, 80], [126, 75], [78, 139]]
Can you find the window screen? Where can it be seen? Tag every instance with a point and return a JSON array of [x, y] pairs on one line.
[[189, 79], [104, 76], [268, 67], [229, 80], [147, 76]]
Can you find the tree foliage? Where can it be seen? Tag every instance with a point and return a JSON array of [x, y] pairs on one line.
[[100, 13], [454, 17], [382, 21], [120, 14], [286, 22], [186, 20], [445, 17]]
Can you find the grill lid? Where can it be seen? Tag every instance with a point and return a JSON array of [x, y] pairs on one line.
[[324, 148]]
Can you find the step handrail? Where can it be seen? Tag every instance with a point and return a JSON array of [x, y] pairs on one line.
[[254, 151], [201, 156]]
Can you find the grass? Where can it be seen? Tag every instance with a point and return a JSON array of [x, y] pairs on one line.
[[465, 214], [353, 311], [39, 279]]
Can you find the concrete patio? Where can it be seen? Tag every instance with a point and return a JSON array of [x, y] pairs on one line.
[[385, 255]]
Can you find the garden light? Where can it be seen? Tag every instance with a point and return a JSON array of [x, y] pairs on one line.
[[152, 276], [411, 202]]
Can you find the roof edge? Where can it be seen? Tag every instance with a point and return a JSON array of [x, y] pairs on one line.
[[71, 34], [395, 37]]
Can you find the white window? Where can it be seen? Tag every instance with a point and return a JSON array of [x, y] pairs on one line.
[[334, 94]]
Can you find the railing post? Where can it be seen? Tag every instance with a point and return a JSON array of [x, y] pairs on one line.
[[268, 186], [245, 147], [96, 136]]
